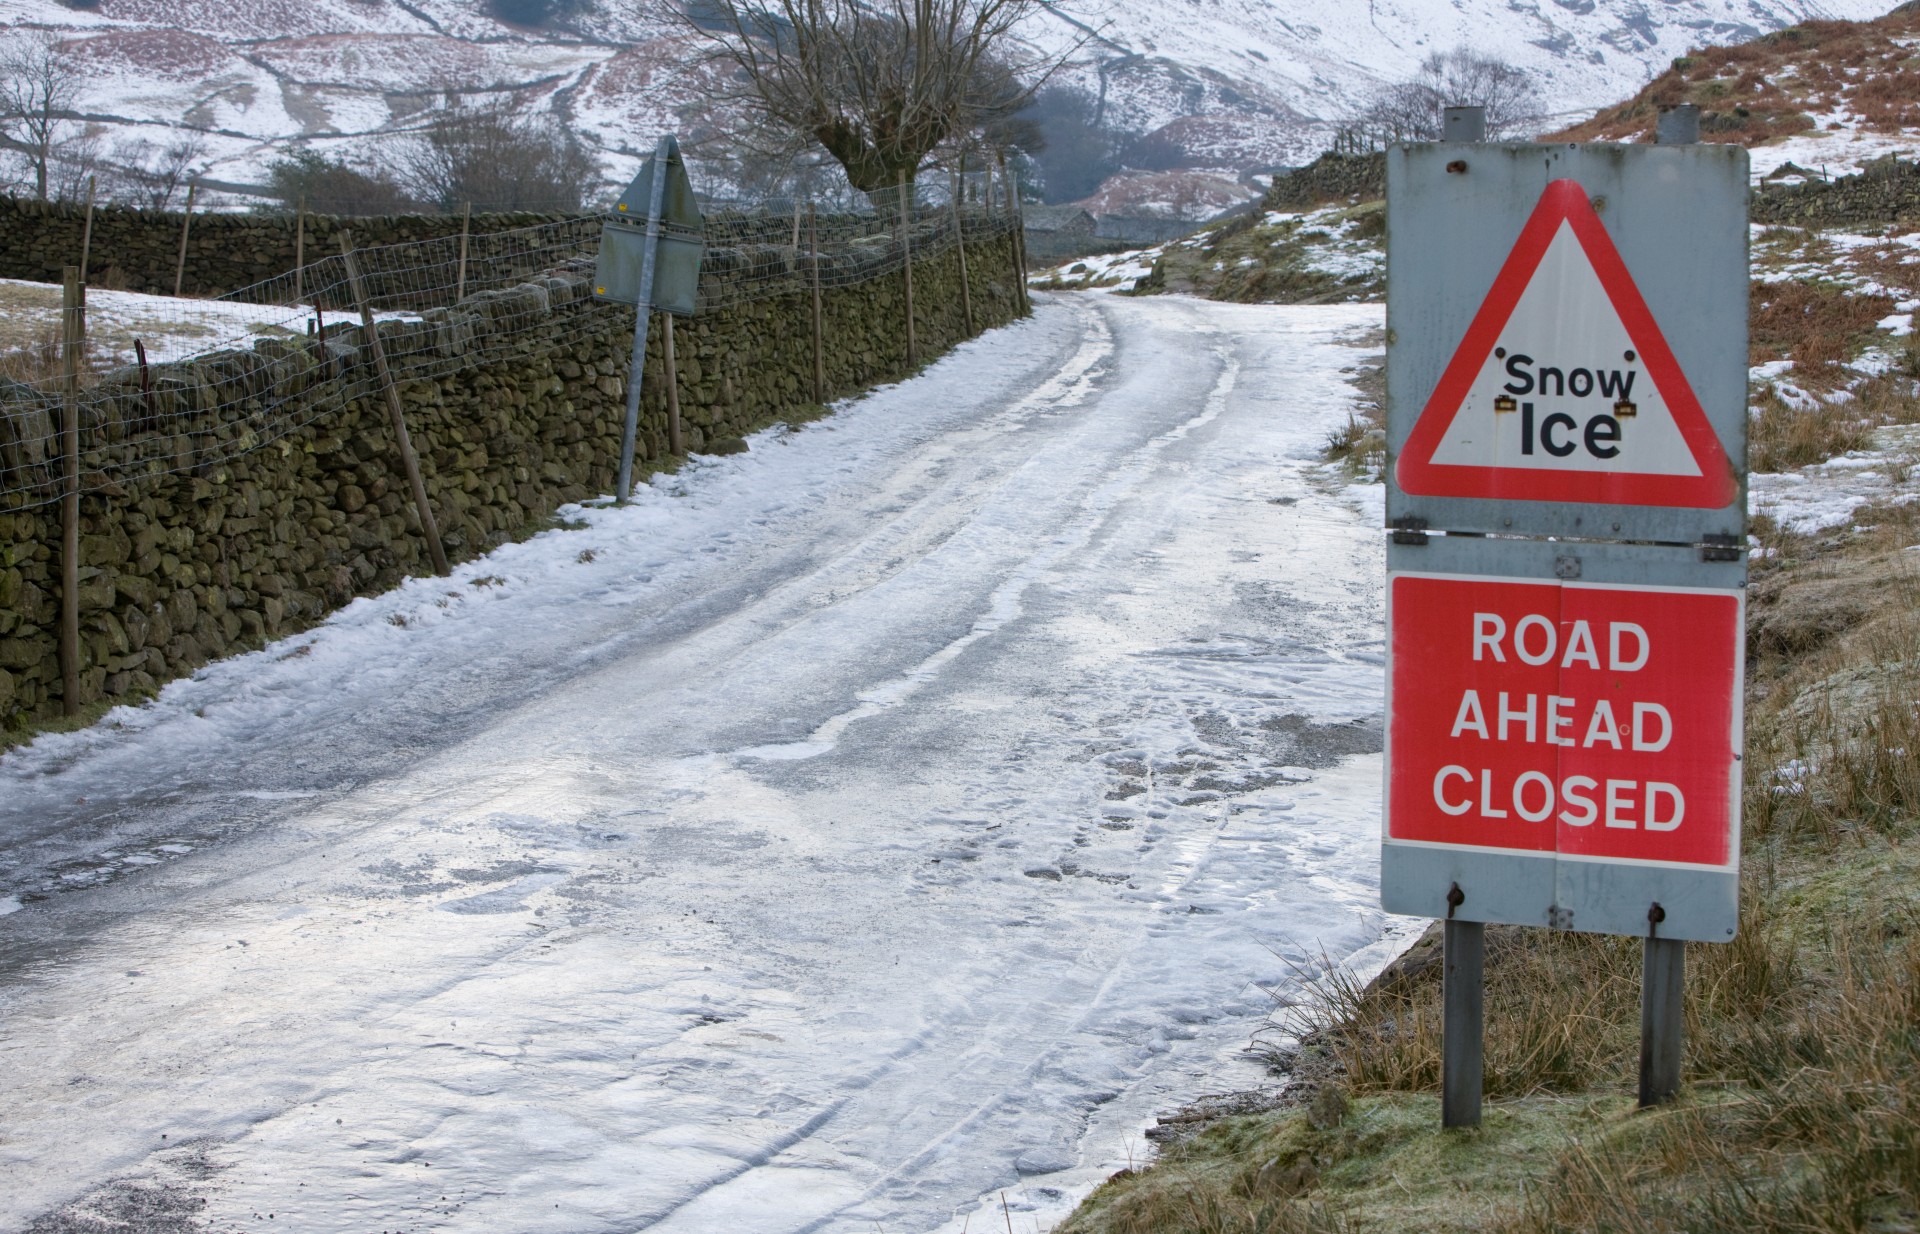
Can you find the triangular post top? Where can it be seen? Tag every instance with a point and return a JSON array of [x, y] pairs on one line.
[[678, 208], [1564, 387]]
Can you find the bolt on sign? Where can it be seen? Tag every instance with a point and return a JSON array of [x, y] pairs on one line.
[[1566, 363]]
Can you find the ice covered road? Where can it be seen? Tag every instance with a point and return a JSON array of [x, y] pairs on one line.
[[840, 836]]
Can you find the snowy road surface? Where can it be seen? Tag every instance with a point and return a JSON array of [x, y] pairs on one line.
[[842, 835]]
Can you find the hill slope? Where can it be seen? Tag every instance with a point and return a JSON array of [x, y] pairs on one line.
[[1227, 84]]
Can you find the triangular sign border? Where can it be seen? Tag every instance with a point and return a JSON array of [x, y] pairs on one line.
[[1417, 473]]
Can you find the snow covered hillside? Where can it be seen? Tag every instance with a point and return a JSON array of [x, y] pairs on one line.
[[1233, 84]]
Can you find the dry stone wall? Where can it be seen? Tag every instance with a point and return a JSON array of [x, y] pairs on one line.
[[1329, 178], [139, 250], [1886, 191], [212, 559]]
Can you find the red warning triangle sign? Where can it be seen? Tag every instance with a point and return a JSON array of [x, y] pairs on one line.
[[1564, 388]]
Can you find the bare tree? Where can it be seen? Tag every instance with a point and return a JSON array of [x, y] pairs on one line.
[[879, 84], [488, 154], [1414, 110], [329, 186], [76, 158], [151, 176], [38, 88]]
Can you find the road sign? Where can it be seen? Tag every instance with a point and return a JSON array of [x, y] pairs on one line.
[[1566, 408], [1566, 367], [1565, 754], [1564, 388], [1590, 721], [650, 258], [1566, 258], [621, 274]]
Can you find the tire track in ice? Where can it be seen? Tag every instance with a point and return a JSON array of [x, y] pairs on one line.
[[1004, 604]]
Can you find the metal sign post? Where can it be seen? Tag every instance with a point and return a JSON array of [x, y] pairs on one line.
[[653, 265], [1566, 503]]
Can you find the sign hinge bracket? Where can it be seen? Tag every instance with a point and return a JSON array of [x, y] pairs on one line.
[[1720, 546]]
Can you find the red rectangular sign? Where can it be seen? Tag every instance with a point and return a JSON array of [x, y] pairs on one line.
[[1587, 720]]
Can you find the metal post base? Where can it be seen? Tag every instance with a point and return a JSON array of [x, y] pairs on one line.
[[1663, 979], [1463, 1024]]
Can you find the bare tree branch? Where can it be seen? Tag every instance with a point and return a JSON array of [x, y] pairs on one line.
[[879, 85], [488, 154], [38, 88], [1414, 110]]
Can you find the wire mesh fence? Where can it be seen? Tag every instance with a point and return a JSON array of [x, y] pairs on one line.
[[165, 386]]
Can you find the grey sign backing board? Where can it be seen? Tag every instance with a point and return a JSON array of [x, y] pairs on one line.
[[1566, 340], [678, 207], [1564, 735], [676, 269], [623, 240]]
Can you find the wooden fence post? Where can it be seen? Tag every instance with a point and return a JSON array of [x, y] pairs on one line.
[[186, 225], [906, 263], [87, 248], [396, 412], [300, 252], [813, 265], [86, 234], [321, 357], [1020, 240], [1013, 238], [466, 230], [674, 442], [960, 243], [70, 496]]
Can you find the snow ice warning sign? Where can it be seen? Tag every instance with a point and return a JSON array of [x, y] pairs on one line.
[[1564, 387]]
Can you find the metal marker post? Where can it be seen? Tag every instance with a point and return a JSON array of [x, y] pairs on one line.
[[637, 365], [1463, 988], [1663, 984], [1678, 125], [1663, 961], [1464, 124], [1463, 1021]]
